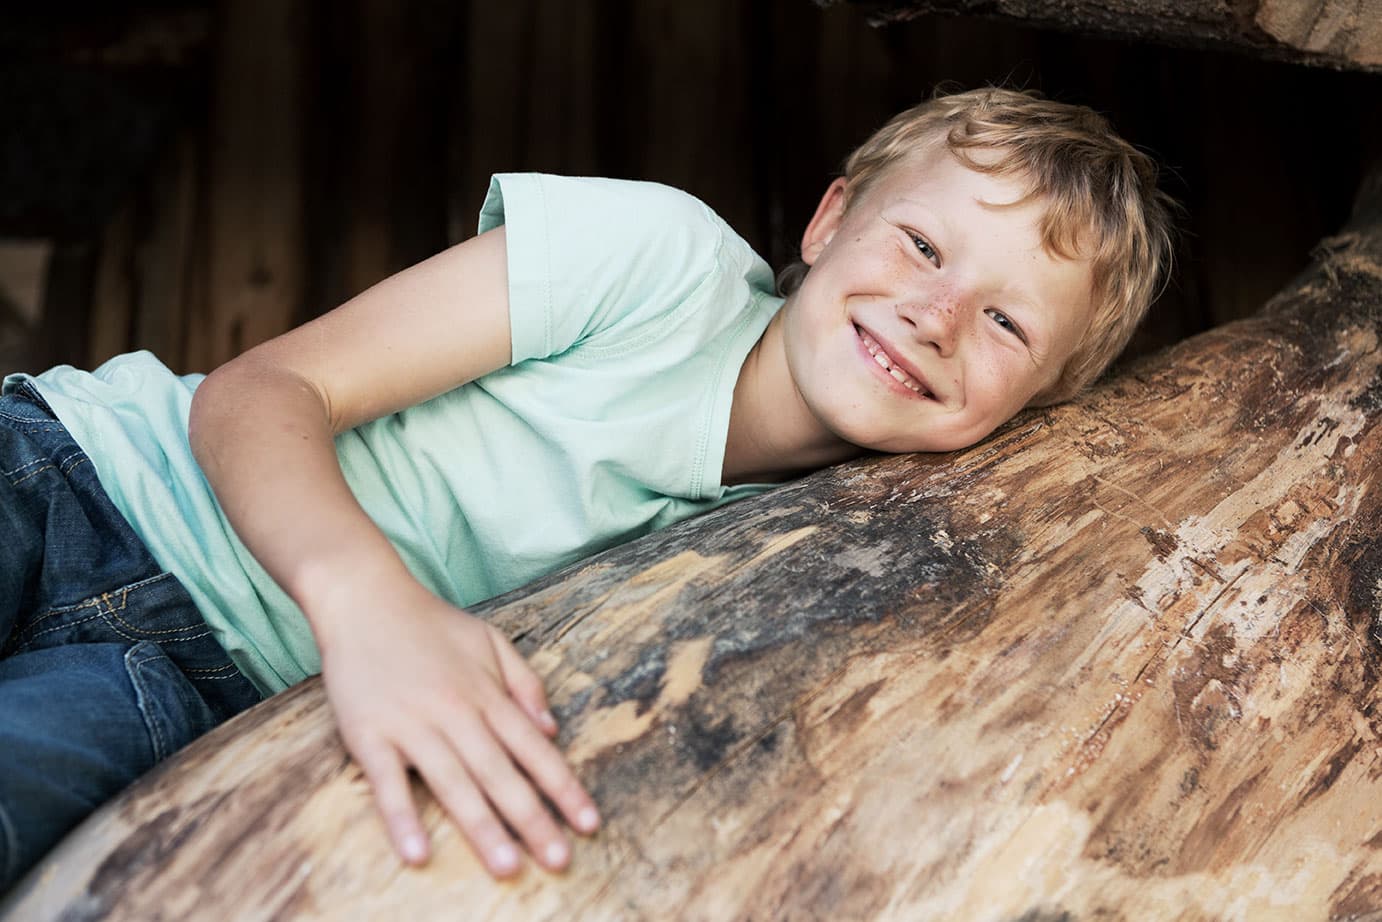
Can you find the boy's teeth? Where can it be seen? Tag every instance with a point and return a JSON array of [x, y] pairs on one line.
[[882, 359]]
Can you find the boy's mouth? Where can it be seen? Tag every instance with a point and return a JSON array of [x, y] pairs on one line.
[[890, 364]]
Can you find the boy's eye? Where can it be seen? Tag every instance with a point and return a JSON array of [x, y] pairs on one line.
[[1004, 321], [925, 248]]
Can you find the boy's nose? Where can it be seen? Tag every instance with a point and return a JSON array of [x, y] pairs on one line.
[[932, 321]]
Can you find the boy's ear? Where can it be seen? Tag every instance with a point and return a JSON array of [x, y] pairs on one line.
[[829, 213]]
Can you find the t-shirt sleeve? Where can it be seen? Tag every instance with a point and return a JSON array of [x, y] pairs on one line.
[[596, 259]]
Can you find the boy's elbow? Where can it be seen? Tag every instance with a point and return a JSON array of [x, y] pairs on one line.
[[247, 388], [207, 409]]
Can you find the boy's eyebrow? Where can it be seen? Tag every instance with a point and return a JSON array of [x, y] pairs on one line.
[[933, 218]]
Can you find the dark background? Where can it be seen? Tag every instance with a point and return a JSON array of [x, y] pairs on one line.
[[202, 175]]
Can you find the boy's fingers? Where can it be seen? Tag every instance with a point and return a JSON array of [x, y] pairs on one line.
[[450, 781], [511, 794], [393, 797], [523, 683], [548, 768]]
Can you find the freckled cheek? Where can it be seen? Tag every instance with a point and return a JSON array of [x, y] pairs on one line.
[[1006, 391]]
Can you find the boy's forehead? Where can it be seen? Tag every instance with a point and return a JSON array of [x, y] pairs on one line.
[[935, 178], [920, 176]]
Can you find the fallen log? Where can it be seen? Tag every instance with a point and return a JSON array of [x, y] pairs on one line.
[[1344, 34], [1118, 661]]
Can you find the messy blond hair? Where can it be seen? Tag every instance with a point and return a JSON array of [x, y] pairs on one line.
[[1101, 196]]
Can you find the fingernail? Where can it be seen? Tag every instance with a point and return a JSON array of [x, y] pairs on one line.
[[504, 858], [588, 819], [556, 854], [414, 848], [547, 720]]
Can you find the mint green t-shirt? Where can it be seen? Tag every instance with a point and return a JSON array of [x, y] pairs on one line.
[[632, 309]]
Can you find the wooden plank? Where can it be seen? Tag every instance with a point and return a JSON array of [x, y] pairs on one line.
[[488, 116], [143, 289], [533, 78], [1119, 662], [166, 254], [386, 87], [1333, 33], [696, 55], [111, 320], [60, 334], [23, 274], [255, 254]]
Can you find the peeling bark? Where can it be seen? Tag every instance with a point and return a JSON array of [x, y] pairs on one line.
[[1120, 661], [1345, 34]]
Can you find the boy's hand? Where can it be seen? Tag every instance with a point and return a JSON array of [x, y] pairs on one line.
[[435, 689]]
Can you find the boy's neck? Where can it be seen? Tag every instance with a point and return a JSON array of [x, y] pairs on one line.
[[773, 435]]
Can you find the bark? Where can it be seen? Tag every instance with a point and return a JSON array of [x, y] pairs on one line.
[[1345, 34], [1117, 662]]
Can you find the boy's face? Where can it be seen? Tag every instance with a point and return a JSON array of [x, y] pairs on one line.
[[930, 316]]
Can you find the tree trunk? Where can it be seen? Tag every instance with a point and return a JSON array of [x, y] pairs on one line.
[[1119, 661], [1336, 33]]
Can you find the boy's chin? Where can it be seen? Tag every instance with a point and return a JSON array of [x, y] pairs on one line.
[[940, 431], [934, 442], [900, 445]]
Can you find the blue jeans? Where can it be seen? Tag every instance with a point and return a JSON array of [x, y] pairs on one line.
[[106, 666]]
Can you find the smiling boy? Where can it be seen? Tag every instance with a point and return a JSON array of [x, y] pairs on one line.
[[604, 359], [931, 314]]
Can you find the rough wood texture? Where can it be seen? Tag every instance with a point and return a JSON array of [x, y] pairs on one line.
[[1118, 662], [1335, 33]]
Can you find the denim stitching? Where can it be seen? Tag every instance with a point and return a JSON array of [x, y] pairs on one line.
[[15, 483], [47, 467], [26, 464], [160, 747], [75, 458], [25, 640], [54, 612], [110, 610], [210, 669], [25, 425], [28, 637], [45, 421], [88, 602]]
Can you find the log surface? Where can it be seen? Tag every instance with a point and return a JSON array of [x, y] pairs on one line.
[[1344, 34], [1117, 662]]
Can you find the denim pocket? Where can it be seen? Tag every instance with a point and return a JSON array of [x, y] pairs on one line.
[[172, 710], [153, 609]]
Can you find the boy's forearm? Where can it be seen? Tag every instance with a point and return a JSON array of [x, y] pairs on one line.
[[264, 440]]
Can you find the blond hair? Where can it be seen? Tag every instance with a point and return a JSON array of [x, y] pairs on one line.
[[1100, 192]]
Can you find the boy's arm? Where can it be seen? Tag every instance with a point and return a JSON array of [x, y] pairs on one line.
[[413, 681]]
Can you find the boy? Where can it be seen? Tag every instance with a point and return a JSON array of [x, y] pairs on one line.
[[605, 358]]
